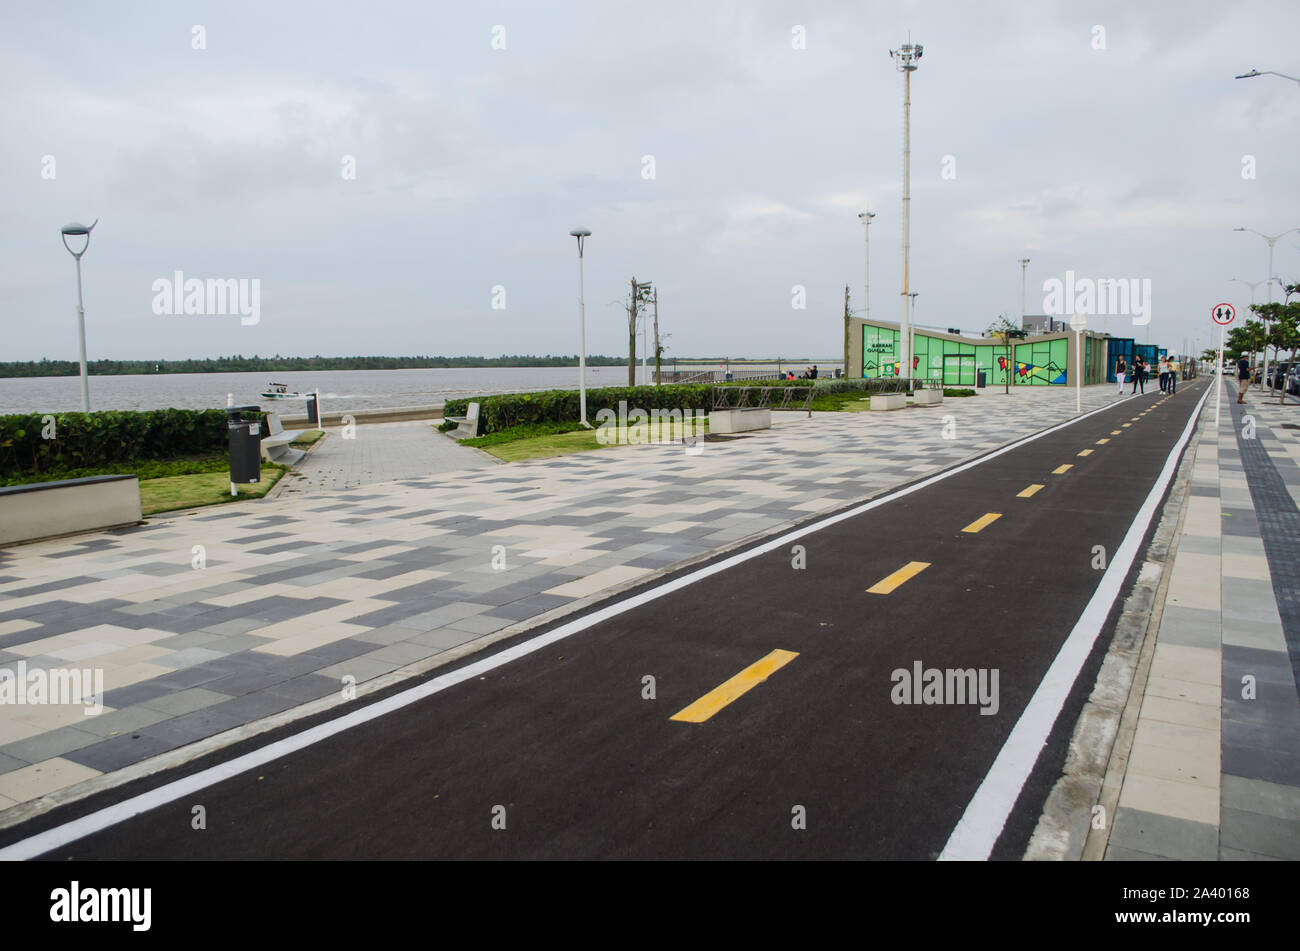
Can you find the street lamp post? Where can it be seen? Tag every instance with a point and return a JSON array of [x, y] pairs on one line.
[[76, 229], [865, 217], [1268, 280], [1024, 264], [581, 234], [905, 59]]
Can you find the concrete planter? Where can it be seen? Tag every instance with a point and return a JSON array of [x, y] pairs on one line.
[[48, 509], [739, 420], [886, 401], [928, 397]]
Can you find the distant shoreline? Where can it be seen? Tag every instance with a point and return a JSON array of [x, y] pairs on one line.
[[61, 368]]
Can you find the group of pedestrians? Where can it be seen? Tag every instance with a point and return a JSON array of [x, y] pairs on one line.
[[1168, 375], [1137, 374]]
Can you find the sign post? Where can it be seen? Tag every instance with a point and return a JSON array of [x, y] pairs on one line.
[[1221, 314], [1077, 323]]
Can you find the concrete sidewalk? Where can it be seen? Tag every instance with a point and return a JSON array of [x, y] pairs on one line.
[[1214, 768], [215, 625]]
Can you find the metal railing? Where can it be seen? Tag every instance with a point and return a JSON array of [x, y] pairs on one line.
[[795, 398]]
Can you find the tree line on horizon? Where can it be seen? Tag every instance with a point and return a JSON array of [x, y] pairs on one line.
[[279, 364]]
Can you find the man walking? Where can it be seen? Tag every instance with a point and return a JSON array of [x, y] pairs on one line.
[[1243, 378], [1139, 374], [1174, 368]]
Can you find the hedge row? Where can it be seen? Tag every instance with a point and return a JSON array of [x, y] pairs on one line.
[[558, 406], [33, 443]]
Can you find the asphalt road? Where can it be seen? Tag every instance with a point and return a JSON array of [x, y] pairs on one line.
[[564, 748]]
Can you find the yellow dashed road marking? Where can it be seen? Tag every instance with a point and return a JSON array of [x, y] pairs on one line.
[[983, 522], [909, 570], [736, 687]]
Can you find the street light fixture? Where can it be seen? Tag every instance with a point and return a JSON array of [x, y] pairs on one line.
[[77, 229], [1267, 72], [1024, 264], [581, 234]]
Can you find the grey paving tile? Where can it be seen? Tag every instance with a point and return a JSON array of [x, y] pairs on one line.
[[118, 751], [9, 763], [1270, 765], [190, 727], [1166, 836], [254, 706], [1266, 835], [1269, 799], [304, 688], [178, 703], [125, 720], [45, 746]]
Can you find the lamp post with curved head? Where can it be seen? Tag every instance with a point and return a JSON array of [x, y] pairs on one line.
[[581, 234], [76, 229], [1265, 72]]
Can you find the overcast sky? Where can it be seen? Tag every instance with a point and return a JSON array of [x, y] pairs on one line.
[[472, 163]]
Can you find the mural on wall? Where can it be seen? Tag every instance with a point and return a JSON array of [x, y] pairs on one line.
[[957, 362]]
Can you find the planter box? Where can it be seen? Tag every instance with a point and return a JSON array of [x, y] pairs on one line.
[[928, 397], [49, 509], [887, 401], [739, 420]]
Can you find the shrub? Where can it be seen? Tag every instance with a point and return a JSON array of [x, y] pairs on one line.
[[954, 392], [509, 410], [96, 440]]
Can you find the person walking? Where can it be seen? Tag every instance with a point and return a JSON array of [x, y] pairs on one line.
[[1139, 374], [1243, 378], [1121, 368], [1174, 368], [1164, 374]]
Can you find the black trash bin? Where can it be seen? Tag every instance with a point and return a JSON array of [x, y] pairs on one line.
[[313, 411], [981, 378], [245, 445]]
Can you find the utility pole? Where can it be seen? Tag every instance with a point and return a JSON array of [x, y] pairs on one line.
[[631, 333], [905, 59], [658, 349], [846, 330]]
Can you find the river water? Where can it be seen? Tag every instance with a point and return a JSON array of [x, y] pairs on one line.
[[341, 390]]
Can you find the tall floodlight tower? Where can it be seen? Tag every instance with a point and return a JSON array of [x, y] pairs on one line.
[[905, 58]]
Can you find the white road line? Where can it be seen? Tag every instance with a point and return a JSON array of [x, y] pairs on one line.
[[94, 822], [986, 814]]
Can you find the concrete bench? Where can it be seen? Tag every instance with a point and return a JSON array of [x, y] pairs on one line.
[[928, 397], [49, 509], [467, 425], [740, 420], [887, 401], [277, 443]]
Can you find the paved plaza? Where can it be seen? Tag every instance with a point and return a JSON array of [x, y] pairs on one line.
[[292, 595]]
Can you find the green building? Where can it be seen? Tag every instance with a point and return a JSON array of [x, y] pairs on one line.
[[1040, 360]]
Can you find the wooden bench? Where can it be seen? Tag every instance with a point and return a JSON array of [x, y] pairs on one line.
[[466, 426], [276, 444], [49, 509]]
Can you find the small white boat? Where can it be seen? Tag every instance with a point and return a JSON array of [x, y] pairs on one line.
[[280, 391]]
